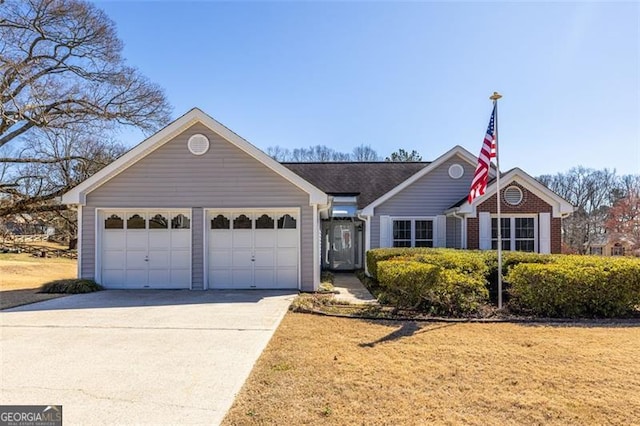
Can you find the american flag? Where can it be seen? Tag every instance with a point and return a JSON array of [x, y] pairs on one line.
[[488, 151]]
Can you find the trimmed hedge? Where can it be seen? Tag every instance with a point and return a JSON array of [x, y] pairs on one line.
[[536, 284], [573, 288], [407, 284], [70, 286], [433, 288]]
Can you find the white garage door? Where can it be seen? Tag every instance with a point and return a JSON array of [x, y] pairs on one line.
[[253, 249], [145, 249]]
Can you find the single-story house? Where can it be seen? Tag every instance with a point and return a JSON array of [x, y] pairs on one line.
[[196, 206], [608, 245]]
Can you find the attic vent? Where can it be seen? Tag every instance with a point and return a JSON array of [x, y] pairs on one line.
[[456, 171], [513, 195], [198, 144]]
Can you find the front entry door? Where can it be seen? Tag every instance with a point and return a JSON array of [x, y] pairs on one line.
[[342, 251]]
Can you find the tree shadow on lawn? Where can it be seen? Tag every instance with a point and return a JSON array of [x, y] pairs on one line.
[[406, 329]]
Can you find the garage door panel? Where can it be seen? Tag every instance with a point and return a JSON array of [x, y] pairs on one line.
[[136, 240], [242, 278], [136, 278], [264, 278], [287, 238], [159, 278], [265, 238], [286, 278], [136, 259], [243, 238], [180, 239], [182, 277], [113, 240], [159, 240], [113, 278], [220, 278], [220, 259], [220, 239], [180, 259], [241, 259], [159, 259], [287, 257], [265, 258], [113, 260]]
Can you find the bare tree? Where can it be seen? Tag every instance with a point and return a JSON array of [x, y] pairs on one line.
[[50, 164], [592, 192], [402, 155], [61, 63], [364, 153], [278, 153], [61, 70]]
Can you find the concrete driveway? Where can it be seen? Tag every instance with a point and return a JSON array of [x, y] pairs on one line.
[[124, 357]]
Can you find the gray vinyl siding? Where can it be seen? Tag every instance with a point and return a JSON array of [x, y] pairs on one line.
[[197, 249], [88, 243], [224, 177], [454, 232], [375, 232], [430, 195]]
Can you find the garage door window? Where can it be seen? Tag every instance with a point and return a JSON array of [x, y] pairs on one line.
[[180, 222], [220, 222], [265, 222], [242, 222], [158, 222], [136, 221], [114, 222], [286, 222]]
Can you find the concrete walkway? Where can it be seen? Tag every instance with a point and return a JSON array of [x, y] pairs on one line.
[[351, 289]]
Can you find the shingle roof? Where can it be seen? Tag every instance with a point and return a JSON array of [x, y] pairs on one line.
[[368, 180]]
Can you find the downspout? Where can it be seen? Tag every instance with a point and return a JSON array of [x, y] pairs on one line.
[[367, 240]]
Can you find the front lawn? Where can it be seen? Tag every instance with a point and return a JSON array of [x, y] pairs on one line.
[[324, 370], [21, 276]]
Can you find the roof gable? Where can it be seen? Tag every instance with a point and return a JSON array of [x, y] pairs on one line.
[[561, 207], [367, 180], [455, 151], [77, 195]]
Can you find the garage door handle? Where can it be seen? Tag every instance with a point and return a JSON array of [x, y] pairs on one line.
[[146, 258]]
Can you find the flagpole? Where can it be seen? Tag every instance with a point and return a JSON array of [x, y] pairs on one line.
[[495, 98]]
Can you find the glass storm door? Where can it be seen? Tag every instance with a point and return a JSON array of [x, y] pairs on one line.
[[342, 250]]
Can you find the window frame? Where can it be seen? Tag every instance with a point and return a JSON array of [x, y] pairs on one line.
[[512, 237], [412, 228]]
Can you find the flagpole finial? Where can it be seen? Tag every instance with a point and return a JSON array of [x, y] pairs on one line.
[[495, 96]]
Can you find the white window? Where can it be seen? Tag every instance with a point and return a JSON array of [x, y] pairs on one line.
[[519, 233], [412, 232]]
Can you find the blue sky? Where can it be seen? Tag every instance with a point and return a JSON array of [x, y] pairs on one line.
[[413, 75]]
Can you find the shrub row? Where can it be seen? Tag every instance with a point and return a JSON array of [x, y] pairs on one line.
[[576, 287], [438, 282], [537, 284]]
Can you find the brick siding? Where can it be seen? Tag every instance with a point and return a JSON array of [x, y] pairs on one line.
[[530, 204]]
